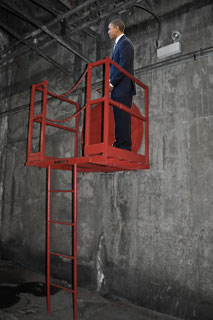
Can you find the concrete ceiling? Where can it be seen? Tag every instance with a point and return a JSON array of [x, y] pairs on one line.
[[29, 24], [34, 24]]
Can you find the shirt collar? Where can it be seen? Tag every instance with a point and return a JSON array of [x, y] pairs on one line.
[[118, 38]]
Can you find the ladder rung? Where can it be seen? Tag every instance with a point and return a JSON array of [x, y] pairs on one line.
[[60, 287], [61, 255], [61, 222], [61, 190]]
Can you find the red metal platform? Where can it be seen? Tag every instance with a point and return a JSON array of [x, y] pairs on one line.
[[97, 136], [93, 149]]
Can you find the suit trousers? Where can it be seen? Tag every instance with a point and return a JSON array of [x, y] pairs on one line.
[[122, 124]]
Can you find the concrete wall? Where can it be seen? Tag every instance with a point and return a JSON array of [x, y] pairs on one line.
[[145, 236]]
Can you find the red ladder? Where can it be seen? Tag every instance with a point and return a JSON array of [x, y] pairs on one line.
[[73, 224]]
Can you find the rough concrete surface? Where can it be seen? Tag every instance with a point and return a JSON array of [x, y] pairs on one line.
[[23, 296]]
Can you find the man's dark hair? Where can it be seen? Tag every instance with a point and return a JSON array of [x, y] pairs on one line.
[[118, 23]]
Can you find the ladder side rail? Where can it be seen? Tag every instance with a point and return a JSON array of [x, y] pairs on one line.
[[75, 239], [48, 236]]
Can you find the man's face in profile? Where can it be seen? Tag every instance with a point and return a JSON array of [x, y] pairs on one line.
[[113, 31]]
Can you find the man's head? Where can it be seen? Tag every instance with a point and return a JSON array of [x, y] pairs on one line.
[[116, 28]]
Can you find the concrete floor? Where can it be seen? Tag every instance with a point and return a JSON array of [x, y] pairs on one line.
[[23, 296]]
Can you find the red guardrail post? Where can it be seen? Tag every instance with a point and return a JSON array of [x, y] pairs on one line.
[[76, 131], [106, 105], [88, 105], [30, 137], [43, 120]]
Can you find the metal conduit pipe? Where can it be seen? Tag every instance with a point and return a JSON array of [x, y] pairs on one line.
[[194, 55], [158, 21]]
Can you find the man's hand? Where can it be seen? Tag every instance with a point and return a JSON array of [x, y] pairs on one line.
[[111, 88]]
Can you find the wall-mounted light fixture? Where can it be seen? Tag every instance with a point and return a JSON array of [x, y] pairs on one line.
[[171, 49], [175, 36]]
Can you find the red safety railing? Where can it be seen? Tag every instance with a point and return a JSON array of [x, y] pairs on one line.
[[42, 118], [105, 148], [100, 153]]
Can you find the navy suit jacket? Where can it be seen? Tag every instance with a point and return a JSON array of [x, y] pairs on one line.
[[123, 55]]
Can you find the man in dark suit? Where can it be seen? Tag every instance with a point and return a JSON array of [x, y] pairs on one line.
[[121, 87]]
